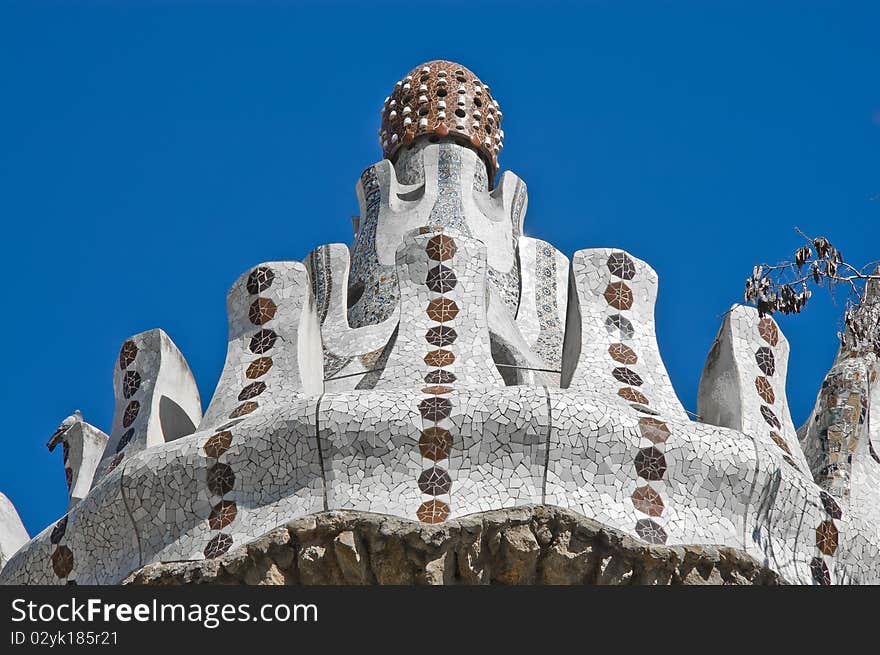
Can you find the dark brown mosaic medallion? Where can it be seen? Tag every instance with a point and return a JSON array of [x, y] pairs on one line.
[[440, 377], [621, 266], [434, 443], [441, 247], [130, 413], [768, 331], [633, 395], [435, 409], [221, 479], [218, 545], [618, 295], [433, 511], [650, 464], [125, 439], [765, 389], [117, 459], [648, 501], [441, 279], [779, 441], [650, 531], [441, 335], [770, 417], [58, 531], [222, 514], [263, 341], [435, 481], [127, 354], [260, 279], [131, 382], [258, 367], [442, 310], [830, 505], [622, 353], [820, 571], [765, 360], [627, 376], [439, 358], [252, 390], [217, 444], [243, 409], [262, 310], [826, 537], [62, 561]]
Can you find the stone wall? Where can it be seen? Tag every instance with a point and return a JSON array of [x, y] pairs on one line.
[[527, 545]]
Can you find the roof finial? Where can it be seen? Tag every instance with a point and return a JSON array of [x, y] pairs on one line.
[[445, 99]]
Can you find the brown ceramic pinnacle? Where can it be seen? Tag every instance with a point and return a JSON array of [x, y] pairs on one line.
[[442, 98]]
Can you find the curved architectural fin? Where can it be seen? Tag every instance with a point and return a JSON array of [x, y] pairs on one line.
[[743, 382], [610, 341], [442, 280], [274, 350], [349, 352], [513, 194], [149, 368], [83, 445]]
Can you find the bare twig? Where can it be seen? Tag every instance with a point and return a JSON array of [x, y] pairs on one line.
[[786, 287]]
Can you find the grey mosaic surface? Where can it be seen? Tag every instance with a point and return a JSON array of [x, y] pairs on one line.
[[543, 301]]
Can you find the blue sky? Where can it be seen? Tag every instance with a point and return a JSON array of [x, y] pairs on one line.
[[151, 152]]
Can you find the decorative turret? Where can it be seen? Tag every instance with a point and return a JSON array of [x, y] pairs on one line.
[[441, 99], [440, 136]]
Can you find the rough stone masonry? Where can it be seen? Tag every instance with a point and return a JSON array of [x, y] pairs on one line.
[[526, 545]]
